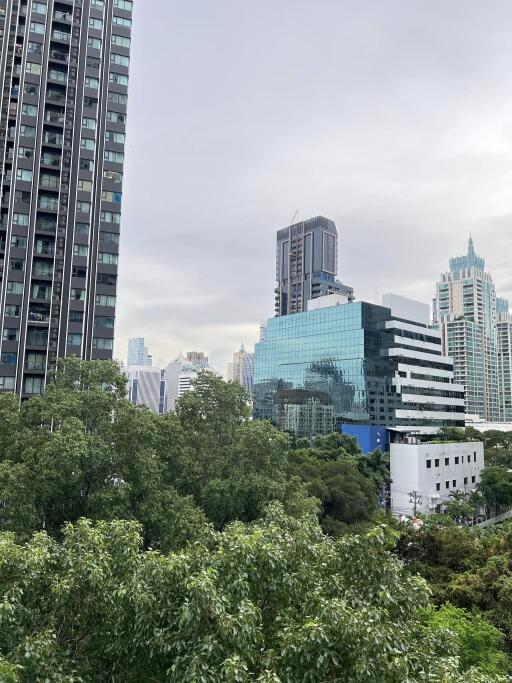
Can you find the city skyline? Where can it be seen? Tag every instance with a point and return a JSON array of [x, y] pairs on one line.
[[394, 124]]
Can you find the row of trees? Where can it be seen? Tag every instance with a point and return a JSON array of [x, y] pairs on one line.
[[187, 547]]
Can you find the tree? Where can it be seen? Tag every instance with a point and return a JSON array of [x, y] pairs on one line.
[[496, 487], [275, 601], [481, 645]]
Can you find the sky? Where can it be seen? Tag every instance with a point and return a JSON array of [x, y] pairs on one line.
[[393, 118]]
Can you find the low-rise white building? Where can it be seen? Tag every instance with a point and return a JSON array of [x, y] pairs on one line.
[[424, 474]]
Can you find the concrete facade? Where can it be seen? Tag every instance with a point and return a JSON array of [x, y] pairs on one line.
[[433, 471]]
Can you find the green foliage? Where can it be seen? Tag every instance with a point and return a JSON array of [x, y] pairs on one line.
[[496, 487], [273, 601], [480, 643]]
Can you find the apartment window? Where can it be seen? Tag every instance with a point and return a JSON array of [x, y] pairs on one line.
[[95, 43], [473, 479], [120, 60], [454, 483], [112, 136], [80, 250], [118, 79], [76, 317], [36, 27], [21, 197], [18, 242], [116, 117], [104, 321], [92, 82], [110, 217], [469, 458], [17, 264], [35, 361], [447, 461], [89, 123], [102, 343], [113, 176], [29, 110], [77, 294], [10, 334], [84, 185], [117, 98], [39, 7], [113, 238], [114, 157], [106, 278], [82, 228], [20, 219], [474, 457], [83, 207], [88, 143], [6, 383], [108, 259], [35, 48], [43, 268], [436, 462], [24, 174], [78, 271], [27, 131], [95, 23], [8, 358], [12, 310], [87, 165], [31, 88], [429, 464], [14, 287], [447, 484], [124, 4], [50, 137], [90, 102], [121, 21], [438, 486], [93, 63], [121, 41], [98, 3], [33, 385], [112, 197], [105, 300], [25, 152], [456, 460], [33, 68], [465, 481]]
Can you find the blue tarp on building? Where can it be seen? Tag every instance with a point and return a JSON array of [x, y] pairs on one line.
[[369, 437]]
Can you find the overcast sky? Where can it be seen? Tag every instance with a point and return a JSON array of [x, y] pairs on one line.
[[392, 117]]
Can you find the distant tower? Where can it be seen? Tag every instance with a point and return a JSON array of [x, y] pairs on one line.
[[138, 353], [241, 369], [307, 265], [467, 318]]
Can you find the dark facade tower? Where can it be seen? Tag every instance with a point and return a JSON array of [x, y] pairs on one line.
[[64, 87], [307, 264]]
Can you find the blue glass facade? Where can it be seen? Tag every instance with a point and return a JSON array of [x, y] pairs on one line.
[[352, 364]]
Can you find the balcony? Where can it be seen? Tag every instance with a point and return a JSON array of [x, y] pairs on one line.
[[62, 36], [59, 15], [54, 117], [58, 56]]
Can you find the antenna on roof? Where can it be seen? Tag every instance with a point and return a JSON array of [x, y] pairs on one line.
[[295, 216]]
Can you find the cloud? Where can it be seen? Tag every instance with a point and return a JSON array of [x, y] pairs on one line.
[[394, 119]]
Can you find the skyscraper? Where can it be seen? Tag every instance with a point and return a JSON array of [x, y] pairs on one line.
[[504, 324], [138, 353], [307, 265], [64, 70], [146, 387], [241, 369], [180, 374], [467, 317]]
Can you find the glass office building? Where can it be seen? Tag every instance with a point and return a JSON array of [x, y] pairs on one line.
[[64, 72], [354, 363]]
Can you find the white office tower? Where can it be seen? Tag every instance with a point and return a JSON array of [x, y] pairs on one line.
[[424, 377], [138, 353], [241, 369], [147, 387], [179, 375]]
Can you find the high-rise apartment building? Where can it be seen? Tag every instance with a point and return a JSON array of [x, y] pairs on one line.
[[64, 88], [198, 359], [467, 318], [307, 265], [241, 369], [504, 325], [138, 353]]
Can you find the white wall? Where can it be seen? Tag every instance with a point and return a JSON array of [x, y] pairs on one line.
[[409, 472]]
